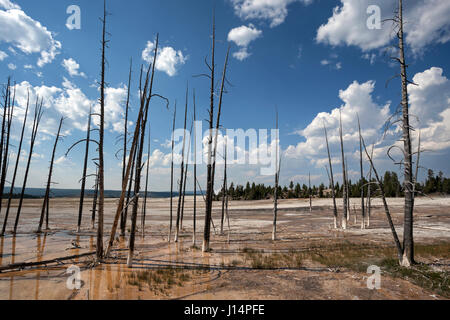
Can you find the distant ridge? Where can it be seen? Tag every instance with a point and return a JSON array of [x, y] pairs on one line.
[[75, 193]]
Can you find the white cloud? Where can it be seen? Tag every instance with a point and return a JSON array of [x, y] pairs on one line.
[[72, 103], [12, 66], [242, 54], [430, 102], [370, 57], [357, 99], [6, 4], [72, 68], [242, 36], [168, 60], [426, 21], [275, 11], [3, 55], [26, 34]]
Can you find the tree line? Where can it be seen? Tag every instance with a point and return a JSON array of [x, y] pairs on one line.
[[393, 188]]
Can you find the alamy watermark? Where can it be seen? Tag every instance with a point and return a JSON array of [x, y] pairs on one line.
[[74, 20], [74, 280], [250, 147], [374, 20], [374, 281]]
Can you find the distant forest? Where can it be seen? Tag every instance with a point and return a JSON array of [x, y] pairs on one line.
[[433, 184]]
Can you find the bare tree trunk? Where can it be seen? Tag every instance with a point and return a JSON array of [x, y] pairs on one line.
[[19, 151], [101, 169], [5, 110], [124, 215], [10, 107], [209, 176], [369, 192], [94, 202], [333, 192], [144, 207], [386, 207], [180, 189], [194, 218], [310, 193], [348, 190], [137, 184], [171, 175], [129, 167], [224, 188], [185, 177], [212, 167], [344, 176], [83, 179], [363, 215], [37, 119], [275, 193], [408, 234], [46, 203]]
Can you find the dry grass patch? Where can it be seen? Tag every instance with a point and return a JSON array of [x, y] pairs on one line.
[[160, 281]]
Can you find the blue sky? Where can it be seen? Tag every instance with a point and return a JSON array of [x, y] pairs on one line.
[[297, 59]]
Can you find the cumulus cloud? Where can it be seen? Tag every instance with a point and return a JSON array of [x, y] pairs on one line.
[[274, 11], [357, 99], [168, 60], [430, 103], [12, 66], [72, 67], [70, 102], [3, 55], [426, 21], [26, 34], [242, 36]]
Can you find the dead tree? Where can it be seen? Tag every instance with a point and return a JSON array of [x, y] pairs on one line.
[[408, 239], [180, 186], [9, 106], [363, 215], [101, 161], [386, 207], [344, 176], [85, 166], [146, 99], [310, 192], [224, 188], [185, 177], [94, 201], [348, 189], [209, 176], [134, 145], [37, 119], [212, 153], [144, 206], [13, 182], [333, 192], [369, 192], [277, 181], [125, 141], [124, 215], [4, 124], [171, 174], [194, 218], [46, 204]]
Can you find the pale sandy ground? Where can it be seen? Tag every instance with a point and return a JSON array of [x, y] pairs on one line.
[[250, 227]]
